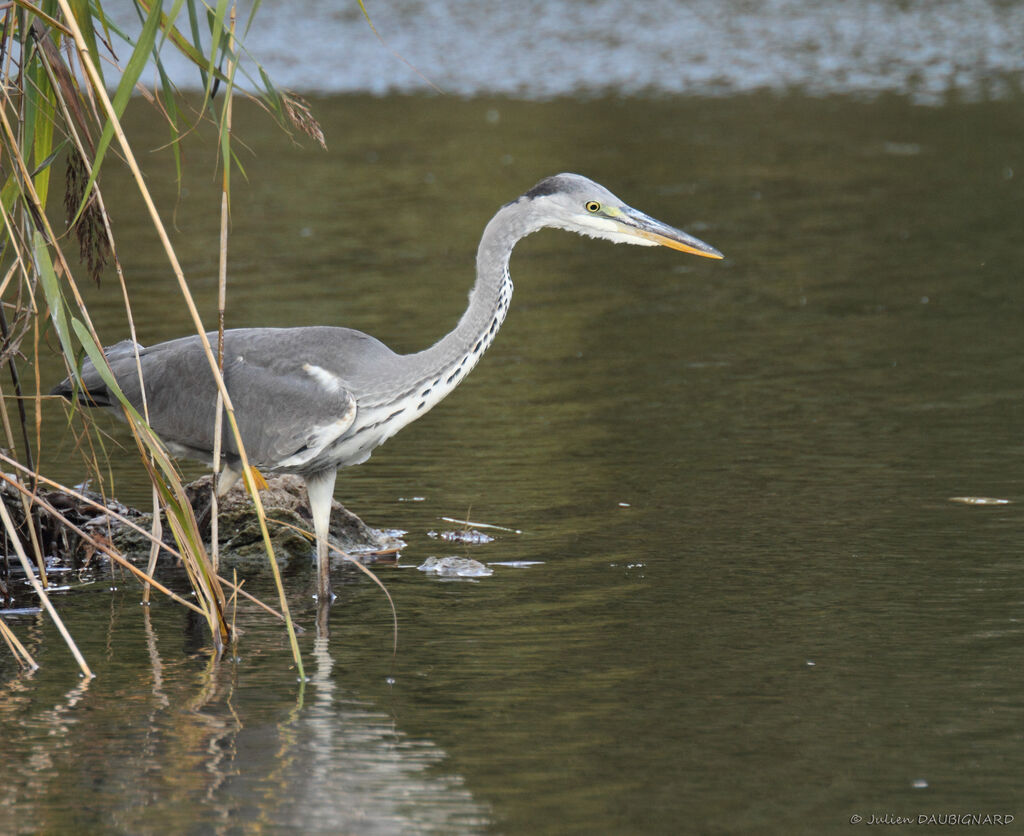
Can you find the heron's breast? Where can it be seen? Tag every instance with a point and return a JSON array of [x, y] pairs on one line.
[[372, 427]]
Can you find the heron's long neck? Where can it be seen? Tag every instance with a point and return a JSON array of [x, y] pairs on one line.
[[450, 359]]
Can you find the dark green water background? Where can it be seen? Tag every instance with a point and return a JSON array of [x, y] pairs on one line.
[[757, 609]]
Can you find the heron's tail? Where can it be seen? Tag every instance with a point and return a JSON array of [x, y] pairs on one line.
[[90, 389]]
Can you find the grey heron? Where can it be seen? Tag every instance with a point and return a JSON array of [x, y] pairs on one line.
[[311, 400]]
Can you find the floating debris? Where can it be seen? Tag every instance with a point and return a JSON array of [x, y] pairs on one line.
[[979, 500], [469, 536], [455, 567], [625, 505], [901, 149], [481, 525], [412, 499], [516, 564]]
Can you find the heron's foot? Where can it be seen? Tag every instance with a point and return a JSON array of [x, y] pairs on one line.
[[324, 593], [325, 597], [323, 621]]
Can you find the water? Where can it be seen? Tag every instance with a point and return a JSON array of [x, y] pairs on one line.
[[752, 605], [534, 49]]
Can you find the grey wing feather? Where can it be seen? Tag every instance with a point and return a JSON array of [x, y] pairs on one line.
[[93, 391], [285, 420], [294, 390]]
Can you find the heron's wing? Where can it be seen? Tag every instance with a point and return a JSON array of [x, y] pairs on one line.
[[295, 390], [286, 420], [287, 410]]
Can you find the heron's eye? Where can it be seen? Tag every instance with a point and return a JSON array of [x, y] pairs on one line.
[[593, 206]]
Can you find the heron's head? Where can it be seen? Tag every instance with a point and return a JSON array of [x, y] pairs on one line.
[[572, 202]]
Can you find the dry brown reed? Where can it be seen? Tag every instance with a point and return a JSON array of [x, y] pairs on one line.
[[55, 110]]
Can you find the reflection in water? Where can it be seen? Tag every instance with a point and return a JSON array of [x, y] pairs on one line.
[[360, 773], [162, 752], [31, 766]]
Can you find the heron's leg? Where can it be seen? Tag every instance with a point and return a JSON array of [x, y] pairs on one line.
[[208, 520], [320, 489], [226, 479]]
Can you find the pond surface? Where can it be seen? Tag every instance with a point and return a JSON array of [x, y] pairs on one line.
[[543, 48], [755, 606]]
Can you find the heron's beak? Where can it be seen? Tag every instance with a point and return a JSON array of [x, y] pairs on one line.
[[668, 236]]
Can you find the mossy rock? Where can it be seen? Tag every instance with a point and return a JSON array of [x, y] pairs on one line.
[[287, 511]]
